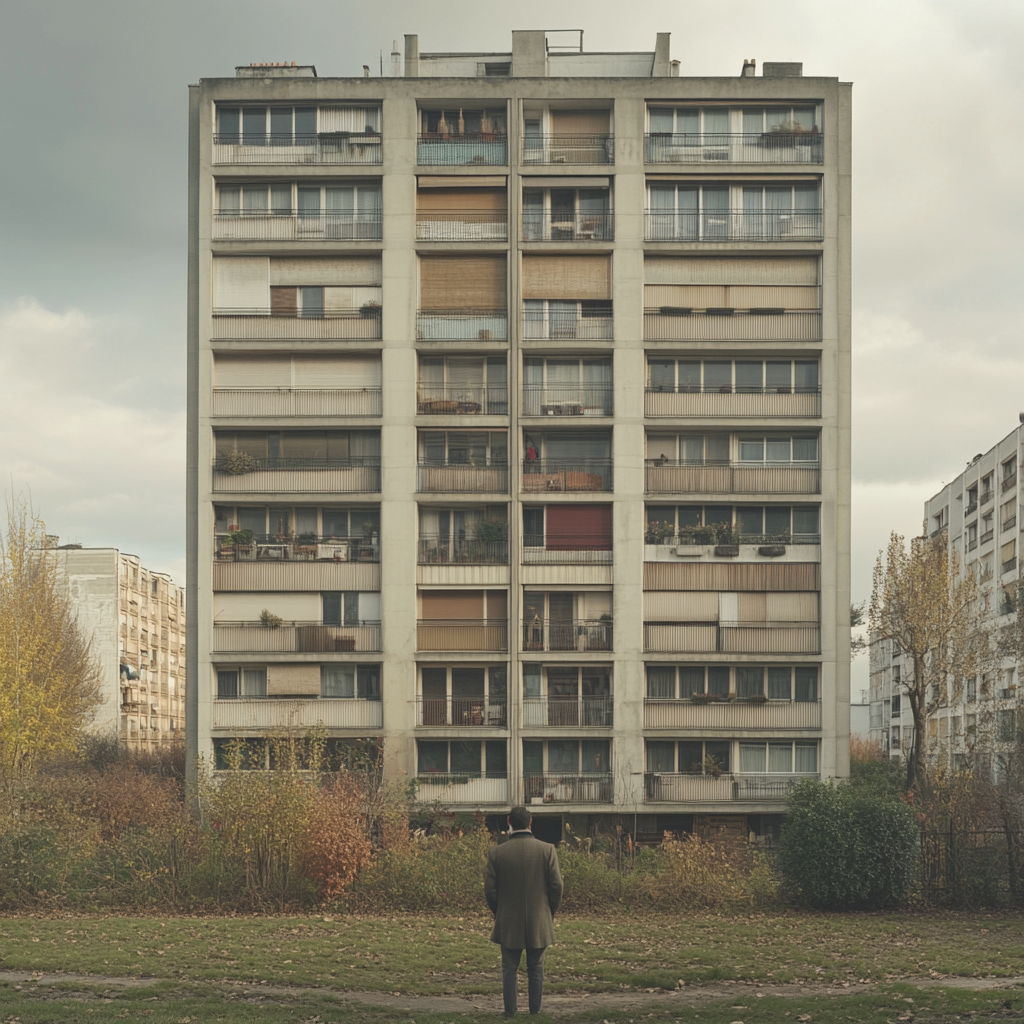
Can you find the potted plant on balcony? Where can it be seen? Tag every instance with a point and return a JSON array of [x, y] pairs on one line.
[[754, 698], [369, 309], [662, 532], [700, 698], [490, 530], [241, 544], [305, 546], [368, 548], [270, 620], [787, 134], [712, 767], [236, 463]]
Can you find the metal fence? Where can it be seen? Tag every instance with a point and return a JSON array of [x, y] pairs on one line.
[[272, 548], [548, 226], [298, 637], [462, 400], [356, 476], [780, 147], [596, 324], [560, 788], [731, 714], [436, 477], [261, 325], [569, 712], [574, 635], [732, 637], [568, 400], [461, 226], [462, 551], [461, 634], [484, 148], [462, 711], [462, 325], [733, 226], [307, 713], [296, 402], [569, 149], [326, 148], [558, 475], [536, 553], [297, 226]]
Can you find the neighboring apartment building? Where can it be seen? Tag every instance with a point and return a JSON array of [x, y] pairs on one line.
[[135, 619], [980, 515], [519, 410]]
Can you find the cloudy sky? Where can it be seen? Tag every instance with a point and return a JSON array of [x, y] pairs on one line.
[[92, 288]]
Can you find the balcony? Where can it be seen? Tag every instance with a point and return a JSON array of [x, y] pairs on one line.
[[461, 226], [987, 536], [462, 789], [247, 474], [536, 553], [972, 507], [294, 638], [734, 226], [457, 400], [461, 712], [986, 497], [547, 226], [763, 403], [574, 635], [555, 788], [461, 325], [568, 712], [593, 324], [568, 400], [552, 476], [461, 635], [325, 148], [473, 148], [436, 477], [672, 788], [569, 149], [280, 714], [1009, 483], [672, 323], [773, 147], [731, 714], [331, 325], [682, 476], [296, 402], [732, 637], [1009, 565], [461, 551], [296, 226], [308, 548]]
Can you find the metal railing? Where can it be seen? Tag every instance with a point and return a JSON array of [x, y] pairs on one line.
[[324, 148], [548, 226], [592, 551], [356, 475], [731, 714], [561, 788], [568, 400], [461, 634], [462, 325], [294, 637], [306, 713], [260, 325], [461, 551], [986, 497], [733, 637], [672, 787], [1009, 523], [568, 712], [595, 324], [598, 148], [461, 226], [296, 402], [479, 712], [486, 148], [692, 400], [462, 789], [780, 147], [552, 476], [681, 476], [296, 225], [707, 535], [461, 400], [667, 323], [971, 507], [437, 477], [1008, 482], [987, 536], [733, 226], [1009, 565], [307, 548], [574, 635]]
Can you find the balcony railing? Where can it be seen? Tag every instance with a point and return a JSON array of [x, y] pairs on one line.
[[271, 548], [461, 635], [1009, 523], [457, 400], [330, 325], [987, 536], [462, 711], [462, 551], [251, 475], [734, 226], [780, 147], [595, 324], [536, 553], [733, 637], [462, 325], [547, 226], [731, 714], [707, 536], [1009, 482], [1009, 565], [573, 712], [294, 637], [296, 402], [986, 497], [297, 226], [664, 787], [462, 226], [462, 789], [972, 507], [575, 635], [485, 148], [683, 476], [552, 476], [306, 713], [568, 400], [569, 149], [325, 148], [436, 477], [692, 400], [560, 788], [670, 323]]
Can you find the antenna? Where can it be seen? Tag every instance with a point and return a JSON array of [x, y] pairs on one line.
[[381, 63]]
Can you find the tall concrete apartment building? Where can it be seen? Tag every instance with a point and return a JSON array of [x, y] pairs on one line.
[[135, 619], [981, 516], [519, 427]]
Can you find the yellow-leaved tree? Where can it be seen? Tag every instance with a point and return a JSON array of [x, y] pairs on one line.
[[922, 602], [49, 683]]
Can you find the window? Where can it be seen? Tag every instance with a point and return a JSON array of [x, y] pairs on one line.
[[247, 754], [241, 682], [742, 376], [350, 681], [476, 448], [896, 709], [565, 214], [670, 682], [569, 757], [307, 522], [795, 524], [463, 534], [972, 688], [464, 695], [463, 384], [783, 758], [688, 757], [463, 121], [467, 758], [303, 448], [568, 527], [1008, 515], [290, 126], [778, 450], [567, 695], [350, 608], [1009, 473], [567, 387], [1006, 725]]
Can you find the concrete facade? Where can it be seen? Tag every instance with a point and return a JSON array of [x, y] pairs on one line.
[[566, 143]]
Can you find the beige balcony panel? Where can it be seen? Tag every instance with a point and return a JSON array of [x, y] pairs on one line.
[[461, 575], [297, 714], [462, 479], [684, 714], [438, 635], [295, 576], [789, 326], [350, 479], [773, 404], [284, 328], [732, 479], [688, 789], [242, 638], [791, 639], [296, 402], [666, 637], [472, 791]]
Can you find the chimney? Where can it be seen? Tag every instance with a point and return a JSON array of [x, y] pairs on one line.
[[366, 71], [412, 56], [674, 69], [749, 68], [396, 60]]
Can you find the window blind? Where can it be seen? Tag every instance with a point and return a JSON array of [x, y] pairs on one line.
[[344, 270], [727, 270], [578, 528], [462, 282], [452, 604], [252, 371], [351, 298], [579, 122], [283, 680], [567, 277], [491, 200], [680, 606], [349, 119], [328, 372], [791, 607], [241, 283]]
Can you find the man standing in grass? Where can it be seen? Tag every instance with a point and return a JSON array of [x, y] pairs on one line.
[[523, 887]]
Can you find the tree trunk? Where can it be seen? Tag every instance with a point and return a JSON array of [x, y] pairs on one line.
[[916, 759]]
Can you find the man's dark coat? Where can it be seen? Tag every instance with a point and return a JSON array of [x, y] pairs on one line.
[[523, 887]]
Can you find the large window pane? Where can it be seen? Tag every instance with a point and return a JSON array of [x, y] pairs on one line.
[[227, 684], [691, 680], [661, 683], [806, 757], [433, 757], [752, 758], [807, 683], [779, 684], [780, 757], [595, 756], [466, 757], [691, 757], [749, 682], [660, 756], [717, 753], [563, 756], [337, 680]]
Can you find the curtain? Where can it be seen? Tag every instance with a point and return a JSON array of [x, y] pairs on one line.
[[661, 684], [780, 757], [752, 758], [779, 684], [806, 757]]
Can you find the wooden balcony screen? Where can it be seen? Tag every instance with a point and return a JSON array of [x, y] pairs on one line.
[[289, 680], [462, 282], [580, 122], [567, 277]]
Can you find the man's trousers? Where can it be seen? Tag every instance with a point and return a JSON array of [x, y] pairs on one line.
[[510, 960]]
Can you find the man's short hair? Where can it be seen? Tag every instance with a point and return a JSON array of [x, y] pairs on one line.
[[519, 817]]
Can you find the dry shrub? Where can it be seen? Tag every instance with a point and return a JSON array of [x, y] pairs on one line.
[[127, 798], [335, 845], [697, 873]]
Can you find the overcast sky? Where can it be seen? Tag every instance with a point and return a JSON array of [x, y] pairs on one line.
[[92, 289]]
